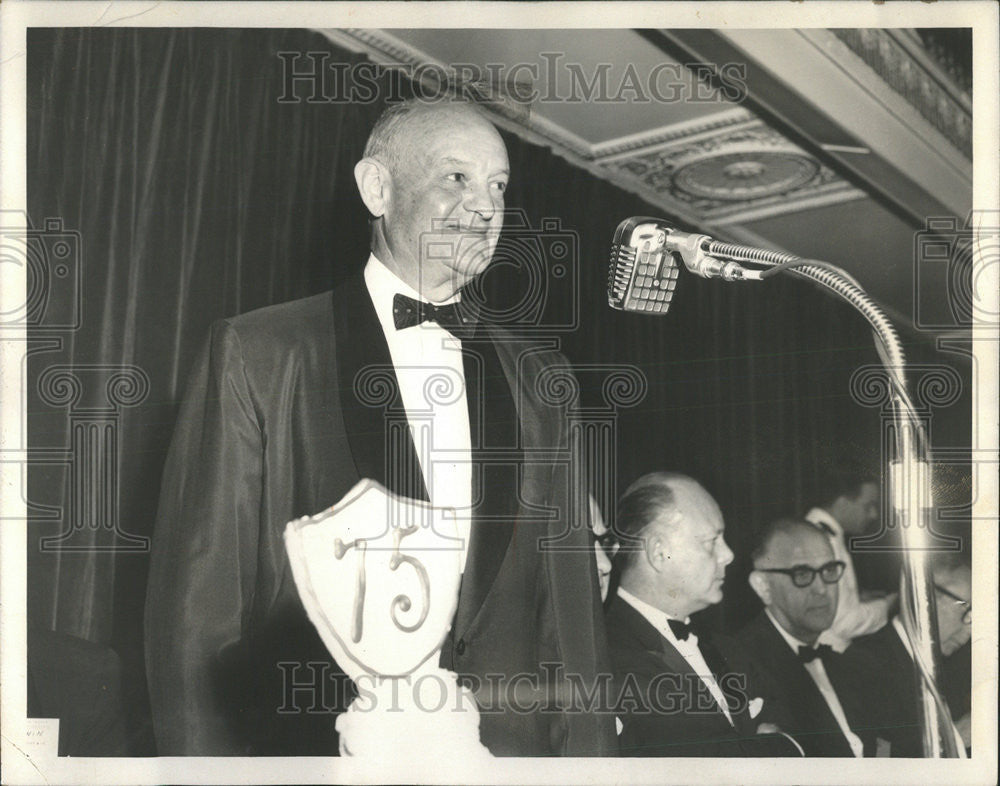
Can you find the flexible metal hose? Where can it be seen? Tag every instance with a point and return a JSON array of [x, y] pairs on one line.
[[916, 596]]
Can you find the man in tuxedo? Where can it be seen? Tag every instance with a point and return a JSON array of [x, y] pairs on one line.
[[677, 694], [848, 506], [390, 377], [887, 658], [796, 577]]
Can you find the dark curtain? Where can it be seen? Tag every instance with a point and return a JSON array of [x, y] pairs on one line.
[[195, 194]]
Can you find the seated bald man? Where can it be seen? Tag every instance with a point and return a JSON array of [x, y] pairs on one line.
[[796, 576], [677, 694], [887, 658]]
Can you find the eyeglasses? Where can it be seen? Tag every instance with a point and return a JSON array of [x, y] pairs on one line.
[[608, 541], [803, 576], [967, 614]]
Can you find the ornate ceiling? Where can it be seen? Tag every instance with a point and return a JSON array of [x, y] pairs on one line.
[[750, 135]]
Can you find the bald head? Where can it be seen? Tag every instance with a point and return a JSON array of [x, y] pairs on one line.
[[785, 537], [679, 562], [433, 178], [409, 126]]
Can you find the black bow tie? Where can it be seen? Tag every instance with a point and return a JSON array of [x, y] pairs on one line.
[[806, 653], [457, 319], [681, 630]]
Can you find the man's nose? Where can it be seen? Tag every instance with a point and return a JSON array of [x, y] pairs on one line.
[[964, 635], [480, 200], [725, 554], [819, 587]]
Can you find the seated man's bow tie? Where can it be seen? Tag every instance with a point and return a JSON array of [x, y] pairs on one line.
[[806, 653], [454, 317], [681, 630]]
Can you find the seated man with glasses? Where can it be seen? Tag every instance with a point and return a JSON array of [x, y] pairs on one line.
[[796, 577], [886, 656]]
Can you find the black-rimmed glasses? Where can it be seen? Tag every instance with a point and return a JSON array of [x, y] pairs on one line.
[[967, 613], [608, 541], [803, 576]]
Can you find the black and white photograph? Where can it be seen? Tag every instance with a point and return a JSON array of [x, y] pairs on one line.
[[499, 392]]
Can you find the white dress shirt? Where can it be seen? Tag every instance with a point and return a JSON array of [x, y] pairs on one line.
[[854, 617], [688, 648], [427, 361], [818, 673]]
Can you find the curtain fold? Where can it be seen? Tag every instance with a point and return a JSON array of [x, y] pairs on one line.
[[195, 195]]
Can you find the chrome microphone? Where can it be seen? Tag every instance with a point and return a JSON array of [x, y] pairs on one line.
[[645, 254], [642, 273]]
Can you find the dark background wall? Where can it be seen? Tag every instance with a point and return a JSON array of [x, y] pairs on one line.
[[195, 194]]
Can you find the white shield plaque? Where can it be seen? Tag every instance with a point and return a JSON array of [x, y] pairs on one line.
[[379, 576]]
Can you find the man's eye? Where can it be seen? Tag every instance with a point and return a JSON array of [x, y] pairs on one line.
[[500, 186], [457, 177]]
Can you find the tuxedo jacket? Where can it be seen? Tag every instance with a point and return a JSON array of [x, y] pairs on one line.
[[892, 685], [286, 411], [810, 720], [667, 710]]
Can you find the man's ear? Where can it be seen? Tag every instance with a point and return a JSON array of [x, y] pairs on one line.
[[760, 585], [373, 185], [656, 550]]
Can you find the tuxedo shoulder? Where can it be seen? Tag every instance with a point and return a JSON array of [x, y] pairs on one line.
[[266, 341], [292, 318], [876, 640], [754, 632], [875, 648]]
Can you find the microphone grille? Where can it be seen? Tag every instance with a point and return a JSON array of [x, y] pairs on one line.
[[642, 273]]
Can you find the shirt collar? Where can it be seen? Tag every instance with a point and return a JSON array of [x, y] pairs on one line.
[[654, 616], [383, 285]]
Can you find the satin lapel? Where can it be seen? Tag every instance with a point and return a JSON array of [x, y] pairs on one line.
[[800, 684], [360, 349], [649, 638], [654, 642], [491, 403]]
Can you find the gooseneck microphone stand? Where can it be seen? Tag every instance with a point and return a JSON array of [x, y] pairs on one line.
[[908, 469]]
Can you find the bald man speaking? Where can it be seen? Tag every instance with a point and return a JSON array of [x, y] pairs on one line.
[[278, 424]]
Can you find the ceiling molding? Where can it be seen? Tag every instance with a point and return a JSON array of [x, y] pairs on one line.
[[733, 168], [910, 73], [668, 165], [689, 130]]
